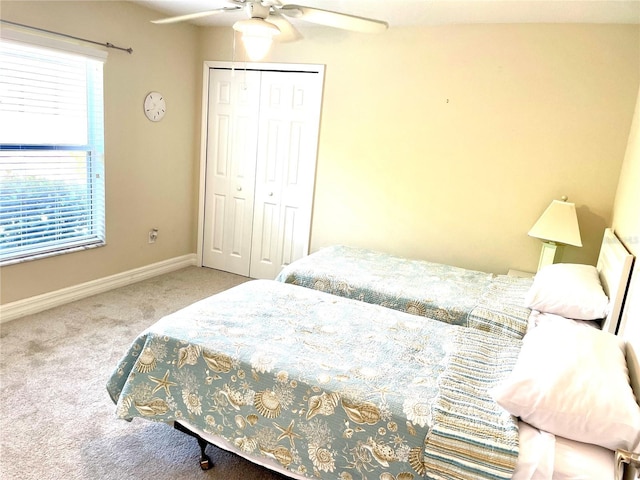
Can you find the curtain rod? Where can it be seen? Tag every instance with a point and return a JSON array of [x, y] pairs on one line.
[[105, 44]]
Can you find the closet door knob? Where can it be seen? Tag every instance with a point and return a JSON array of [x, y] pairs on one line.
[[239, 189], [271, 194]]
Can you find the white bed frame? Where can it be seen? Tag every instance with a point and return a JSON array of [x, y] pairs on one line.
[[614, 266], [633, 363]]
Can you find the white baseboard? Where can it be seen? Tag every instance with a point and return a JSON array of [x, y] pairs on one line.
[[39, 303]]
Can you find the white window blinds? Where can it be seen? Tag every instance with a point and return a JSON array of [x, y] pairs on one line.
[[51, 152]]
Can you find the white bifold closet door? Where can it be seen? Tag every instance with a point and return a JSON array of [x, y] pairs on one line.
[[262, 138]]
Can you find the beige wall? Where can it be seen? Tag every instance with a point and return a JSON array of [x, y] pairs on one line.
[[447, 143], [150, 167], [626, 223], [443, 143]]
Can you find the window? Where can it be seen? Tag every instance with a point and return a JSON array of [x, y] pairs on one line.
[[51, 152]]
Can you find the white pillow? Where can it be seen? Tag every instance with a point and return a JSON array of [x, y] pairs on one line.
[[570, 290], [574, 383], [581, 461], [535, 455], [543, 456], [537, 318]]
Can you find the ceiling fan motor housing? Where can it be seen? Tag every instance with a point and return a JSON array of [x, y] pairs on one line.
[[257, 10]]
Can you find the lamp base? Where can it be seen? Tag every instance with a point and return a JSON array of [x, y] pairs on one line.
[[550, 251]]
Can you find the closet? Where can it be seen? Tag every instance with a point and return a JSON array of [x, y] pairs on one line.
[[260, 131]]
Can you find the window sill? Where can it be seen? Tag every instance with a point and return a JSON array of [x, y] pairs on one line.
[[39, 256]]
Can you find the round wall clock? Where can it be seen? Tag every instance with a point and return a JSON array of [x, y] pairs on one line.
[[154, 106]]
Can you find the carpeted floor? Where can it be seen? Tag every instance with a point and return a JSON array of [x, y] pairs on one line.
[[56, 418]]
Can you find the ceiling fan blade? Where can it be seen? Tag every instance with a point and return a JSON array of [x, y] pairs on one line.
[[334, 19], [192, 16], [288, 33]]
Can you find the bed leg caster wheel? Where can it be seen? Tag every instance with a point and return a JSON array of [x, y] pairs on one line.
[[205, 463]]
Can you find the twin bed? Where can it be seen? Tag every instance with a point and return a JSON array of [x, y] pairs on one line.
[[316, 385], [443, 292]]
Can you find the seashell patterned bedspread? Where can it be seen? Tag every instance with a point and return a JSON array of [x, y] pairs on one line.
[[329, 387], [443, 292]]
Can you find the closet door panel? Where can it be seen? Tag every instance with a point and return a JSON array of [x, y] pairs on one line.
[[265, 219], [217, 230], [233, 111], [264, 258], [288, 251], [285, 171]]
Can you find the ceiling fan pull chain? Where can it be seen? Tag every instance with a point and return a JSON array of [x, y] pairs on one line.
[[233, 54]]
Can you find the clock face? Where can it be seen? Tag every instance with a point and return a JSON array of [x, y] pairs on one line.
[[154, 106]]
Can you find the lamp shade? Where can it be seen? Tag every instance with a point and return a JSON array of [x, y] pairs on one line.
[[558, 223], [257, 36]]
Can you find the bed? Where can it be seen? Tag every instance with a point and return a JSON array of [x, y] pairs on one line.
[[303, 378], [314, 385], [298, 380], [443, 292]]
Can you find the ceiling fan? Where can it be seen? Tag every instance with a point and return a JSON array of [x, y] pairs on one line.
[[267, 14]]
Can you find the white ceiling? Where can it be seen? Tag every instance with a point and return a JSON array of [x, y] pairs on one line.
[[433, 12]]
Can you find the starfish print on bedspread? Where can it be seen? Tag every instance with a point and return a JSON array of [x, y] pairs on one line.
[[287, 432], [163, 383]]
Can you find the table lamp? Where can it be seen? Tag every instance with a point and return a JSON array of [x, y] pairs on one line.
[[557, 226]]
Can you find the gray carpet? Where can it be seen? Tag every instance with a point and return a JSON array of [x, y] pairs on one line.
[[56, 418]]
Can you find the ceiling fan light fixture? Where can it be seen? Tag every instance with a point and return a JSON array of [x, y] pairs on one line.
[[256, 47], [257, 36], [256, 26]]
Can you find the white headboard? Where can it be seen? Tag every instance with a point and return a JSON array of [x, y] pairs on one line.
[[629, 330], [614, 266]]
